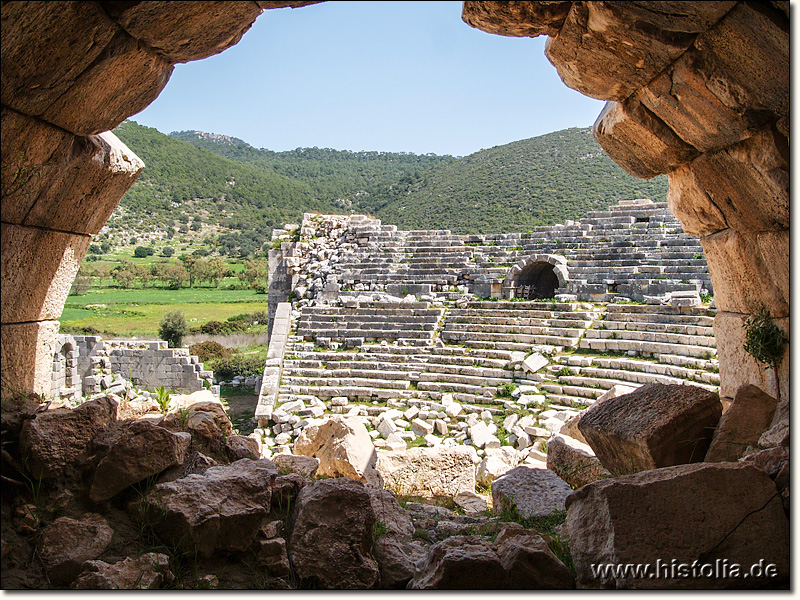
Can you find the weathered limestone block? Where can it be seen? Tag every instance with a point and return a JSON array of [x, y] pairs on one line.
[[684, 98], [726, 511], [136, 451], [305, 466], [778, 432], [343, 448], [46, 47], [395, 550], [37, 294], [570, 426], [460, 562], [656, 426], [639, 141], [528, 562], [472, 503], [27, 355], [440, 471], [57, 180], [331, 540], [75, 68], [573, 461], [203, 401], [239, 446], [690, 203], [56, 444], [749, 182], [181, 32], [533, 492], [749, 415], [273, 555], [122, 82], [635, 42], [147, 572], [749, 271], [222, 509], [516, 19], [746, 59], [67, 543]]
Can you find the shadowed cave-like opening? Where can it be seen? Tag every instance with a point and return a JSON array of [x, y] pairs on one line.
[[536, 281]]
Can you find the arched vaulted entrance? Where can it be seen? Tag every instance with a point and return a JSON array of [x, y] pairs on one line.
[[537, 276]]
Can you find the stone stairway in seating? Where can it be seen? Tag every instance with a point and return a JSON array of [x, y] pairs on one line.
[[413, 323], [650, 344], [517, 325], [408, 374]]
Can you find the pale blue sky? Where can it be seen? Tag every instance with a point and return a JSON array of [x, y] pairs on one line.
[[391, 76]]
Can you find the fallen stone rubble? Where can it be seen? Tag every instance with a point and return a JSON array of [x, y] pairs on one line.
[[147, 500]]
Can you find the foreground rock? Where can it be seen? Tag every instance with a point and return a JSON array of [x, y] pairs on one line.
[[343, 447], [748, 416], [136, 451], [528, 562], [699, 512], [519, 559], [56, 443], [531, 492], [778, 432], [203, 401], [497, 462], [67, 543], [302, 465], [331, 541], [573, 461], [461, 562], [222, 509], [147, 572], [394, 547], [655, 426], [427, 471]]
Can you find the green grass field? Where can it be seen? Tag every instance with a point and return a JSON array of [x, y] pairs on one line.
[[138, 312]]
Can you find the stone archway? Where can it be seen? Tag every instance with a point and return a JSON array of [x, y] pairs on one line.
[[699, 91], [65, 378], [537, 276]]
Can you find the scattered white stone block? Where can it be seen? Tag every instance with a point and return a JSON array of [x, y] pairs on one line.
[[421, 428], [534, 362], [432, 440]]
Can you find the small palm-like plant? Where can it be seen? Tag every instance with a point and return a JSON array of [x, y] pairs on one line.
[[162, 399]]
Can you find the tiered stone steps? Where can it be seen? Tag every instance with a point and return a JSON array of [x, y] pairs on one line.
[[370, 322], [514, 325], [685, 356], [379, 372]]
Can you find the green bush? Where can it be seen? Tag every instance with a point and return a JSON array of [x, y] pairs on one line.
[[143, 252], [173, 328], [764, 340], [209, 350], [238, 364], [167, 251], [224, 328]]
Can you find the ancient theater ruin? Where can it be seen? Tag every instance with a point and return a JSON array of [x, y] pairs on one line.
[[432, 418]]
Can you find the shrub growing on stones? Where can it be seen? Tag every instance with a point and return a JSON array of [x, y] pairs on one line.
[[209, 350], [173, 328], [242, 365]]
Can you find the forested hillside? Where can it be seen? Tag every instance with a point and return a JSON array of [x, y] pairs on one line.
[[538, 181], [362, 181], [240, 193], [181, 180]]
